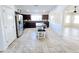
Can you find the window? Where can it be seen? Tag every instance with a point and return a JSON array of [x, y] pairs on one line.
[[76, 19], [67, 19], [52, 20], [51, 17], [36, 17]]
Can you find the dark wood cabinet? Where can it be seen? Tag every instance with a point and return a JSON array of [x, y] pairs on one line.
[[45, 17], [26, 17], [32, 24]]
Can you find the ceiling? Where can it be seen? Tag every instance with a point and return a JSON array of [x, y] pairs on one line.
[[35, 9]]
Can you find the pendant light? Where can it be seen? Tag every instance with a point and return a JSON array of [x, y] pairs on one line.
[[75, 11]]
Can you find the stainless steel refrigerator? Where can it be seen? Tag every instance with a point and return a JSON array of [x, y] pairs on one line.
[[19, 25]]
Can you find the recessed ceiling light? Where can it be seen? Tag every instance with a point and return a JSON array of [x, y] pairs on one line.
[[28, 10]]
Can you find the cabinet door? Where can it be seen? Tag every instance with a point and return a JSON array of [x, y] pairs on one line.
[[9, 24]]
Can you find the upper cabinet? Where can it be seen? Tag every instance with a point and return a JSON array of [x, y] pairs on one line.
[[45, 17], [26, 17]]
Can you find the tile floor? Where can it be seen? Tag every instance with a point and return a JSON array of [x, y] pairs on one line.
[[54, 43]]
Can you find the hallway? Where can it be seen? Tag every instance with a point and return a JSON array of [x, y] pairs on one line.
[[28, 43]]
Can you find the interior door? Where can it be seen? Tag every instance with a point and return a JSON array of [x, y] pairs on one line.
[[9, 24]]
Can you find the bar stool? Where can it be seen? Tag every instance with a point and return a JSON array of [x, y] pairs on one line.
[[41, 34]]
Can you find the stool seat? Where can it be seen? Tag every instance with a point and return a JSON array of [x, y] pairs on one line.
[[40, 30]]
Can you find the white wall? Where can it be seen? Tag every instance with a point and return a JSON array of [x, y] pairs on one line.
[[56, 23]]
